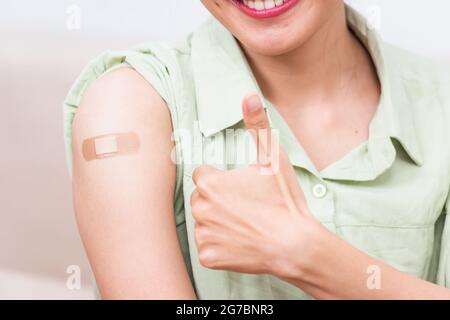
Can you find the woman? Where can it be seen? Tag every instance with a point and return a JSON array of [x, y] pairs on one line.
[[354, 207]]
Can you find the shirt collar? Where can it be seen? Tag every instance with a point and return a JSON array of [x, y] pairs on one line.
[[223, 77]]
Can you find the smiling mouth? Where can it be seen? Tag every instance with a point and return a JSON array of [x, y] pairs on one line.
[[261, 5], [264, 8]]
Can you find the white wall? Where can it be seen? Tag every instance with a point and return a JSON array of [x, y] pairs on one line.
[[422, 26], [40, 57], [419, 25], [151, 19]]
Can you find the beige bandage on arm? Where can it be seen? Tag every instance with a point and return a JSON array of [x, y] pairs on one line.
[[110, 145]]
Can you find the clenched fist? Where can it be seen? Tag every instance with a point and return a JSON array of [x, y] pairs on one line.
[[253, 219]]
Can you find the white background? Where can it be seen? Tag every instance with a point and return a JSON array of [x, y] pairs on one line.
[[420, 25], [39, 60]]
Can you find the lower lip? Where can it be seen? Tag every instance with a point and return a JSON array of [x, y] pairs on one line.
[[267, 13]]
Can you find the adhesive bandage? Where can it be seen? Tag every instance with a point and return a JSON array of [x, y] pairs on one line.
[[110, 145]]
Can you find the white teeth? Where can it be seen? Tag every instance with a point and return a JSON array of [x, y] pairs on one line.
[[259, 5], [263, 4], [269, 4]]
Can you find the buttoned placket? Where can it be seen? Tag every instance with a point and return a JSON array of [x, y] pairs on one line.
[[319, 196]]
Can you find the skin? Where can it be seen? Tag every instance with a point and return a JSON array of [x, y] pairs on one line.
[[310, 47], [124, 207]]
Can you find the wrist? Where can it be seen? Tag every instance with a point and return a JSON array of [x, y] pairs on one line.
[[298, 260]]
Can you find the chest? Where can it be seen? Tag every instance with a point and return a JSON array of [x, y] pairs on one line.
[[328, 133]]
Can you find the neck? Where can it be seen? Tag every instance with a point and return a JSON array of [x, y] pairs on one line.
[[323, 67]]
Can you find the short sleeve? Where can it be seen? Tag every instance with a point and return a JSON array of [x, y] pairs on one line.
[[443, 274], [156, 63]]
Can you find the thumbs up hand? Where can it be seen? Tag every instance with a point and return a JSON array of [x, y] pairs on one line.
[[253, 219]]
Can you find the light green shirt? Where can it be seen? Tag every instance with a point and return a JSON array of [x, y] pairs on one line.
[[387, 197]]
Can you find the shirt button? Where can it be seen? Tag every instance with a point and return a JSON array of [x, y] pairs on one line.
[[319, 191]]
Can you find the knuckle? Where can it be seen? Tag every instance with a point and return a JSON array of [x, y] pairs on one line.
[[256, 123], [195, 198], [195, 210], [197, 213], [205, 178], [197, 237], [207, 255], [204, 184], [201, 235], [196, 174], [208, 258], [200, 209]]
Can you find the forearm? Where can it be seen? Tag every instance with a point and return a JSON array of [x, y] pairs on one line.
[[336, 270]]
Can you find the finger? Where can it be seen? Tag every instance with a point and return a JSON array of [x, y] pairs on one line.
[[206, 179], [255, 116], [200, 172], [271, 153], [197, 237], [257, 123], [198, 211], [195, 197]]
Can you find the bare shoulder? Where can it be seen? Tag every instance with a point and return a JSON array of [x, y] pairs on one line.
[[122, 101], [120, 98]]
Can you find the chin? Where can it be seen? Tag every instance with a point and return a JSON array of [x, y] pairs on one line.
[[270, 44], [272, 30]]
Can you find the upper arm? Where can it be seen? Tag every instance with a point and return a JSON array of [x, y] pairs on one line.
[[124, 204]]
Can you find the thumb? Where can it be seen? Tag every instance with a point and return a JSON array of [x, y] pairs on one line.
[[257, 123], [271, 154], [255, 116]]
